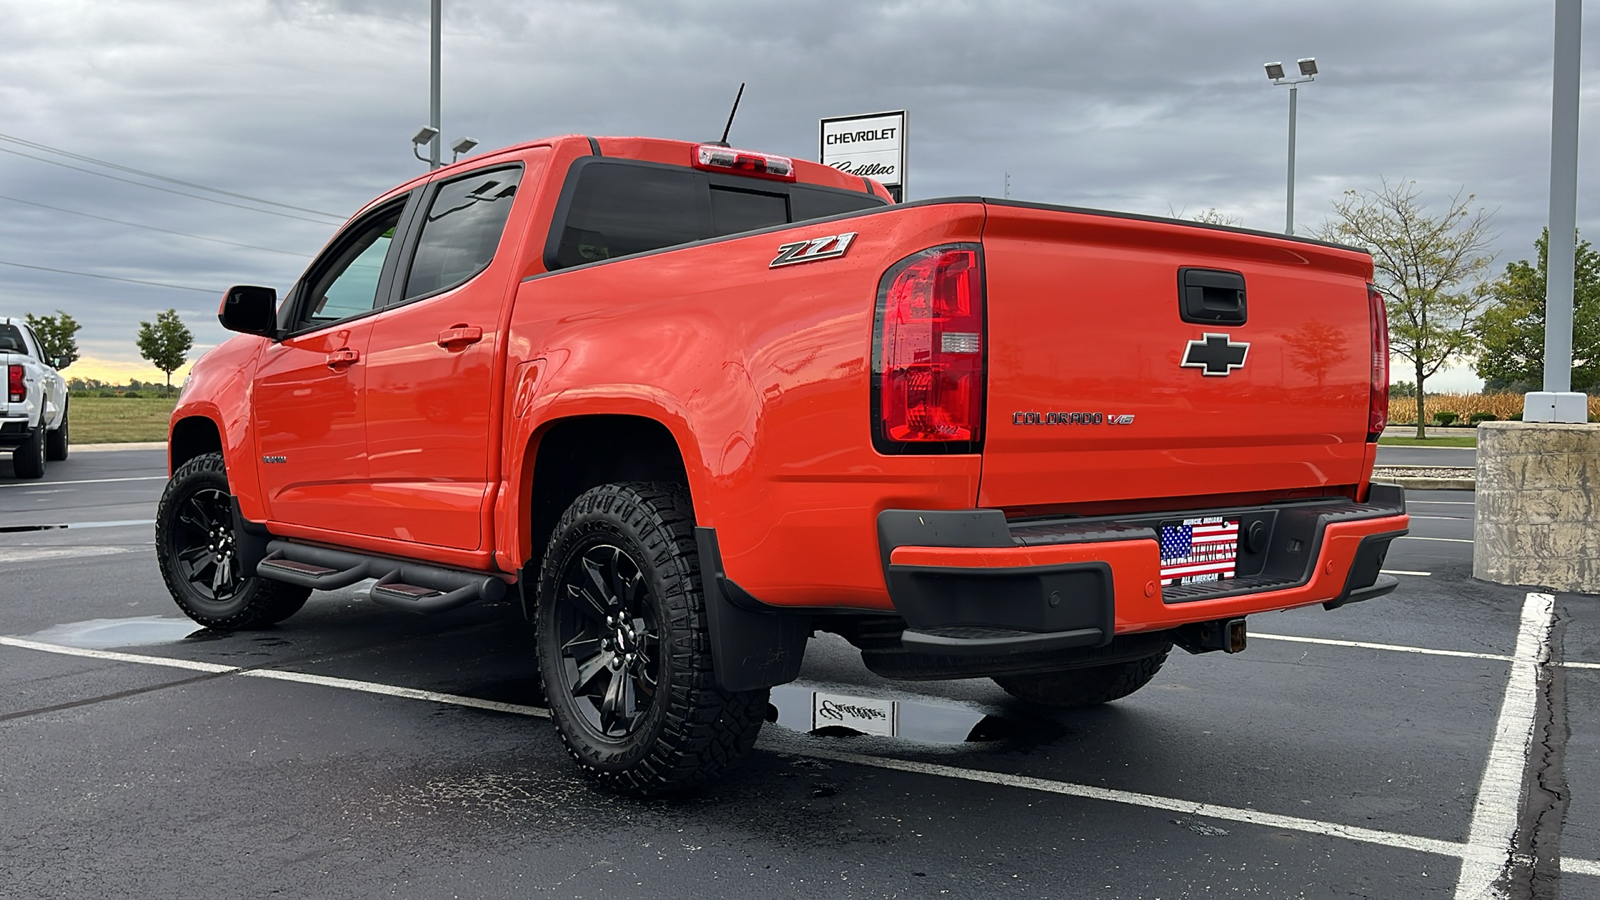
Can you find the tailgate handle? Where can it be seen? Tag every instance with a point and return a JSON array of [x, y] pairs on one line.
[[1211, 297]]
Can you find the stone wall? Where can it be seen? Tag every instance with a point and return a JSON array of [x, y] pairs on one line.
[[1538, 505]]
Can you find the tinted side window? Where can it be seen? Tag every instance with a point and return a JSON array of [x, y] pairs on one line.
[[618, 209], [462, 230], [347, 283], [733, 211]]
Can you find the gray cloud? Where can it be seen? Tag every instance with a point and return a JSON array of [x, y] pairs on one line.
[[1152, 107]]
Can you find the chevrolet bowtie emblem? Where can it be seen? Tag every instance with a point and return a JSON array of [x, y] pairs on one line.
[[1215, 354]]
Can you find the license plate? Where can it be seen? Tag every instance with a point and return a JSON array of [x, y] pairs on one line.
[[1199, 550]]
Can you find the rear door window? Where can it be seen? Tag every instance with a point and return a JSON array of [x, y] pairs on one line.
[[461, 231]]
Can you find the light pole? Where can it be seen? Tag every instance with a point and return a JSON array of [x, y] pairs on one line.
[[1308, 72], [1558, 402], [433, 84]]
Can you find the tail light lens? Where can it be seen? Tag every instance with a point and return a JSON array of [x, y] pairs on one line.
[[15, 390], [1378, 402], [928, 353]]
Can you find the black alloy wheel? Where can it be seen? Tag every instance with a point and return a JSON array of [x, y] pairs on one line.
[[610, 640], [199, 561], [202, 540], [624, 646]]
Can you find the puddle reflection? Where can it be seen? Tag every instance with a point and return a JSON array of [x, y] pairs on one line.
[[813, 711], [100, 634]]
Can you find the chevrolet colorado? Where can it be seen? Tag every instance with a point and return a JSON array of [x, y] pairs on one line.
[[695, 404]]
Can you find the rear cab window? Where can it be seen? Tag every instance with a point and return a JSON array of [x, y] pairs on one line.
[[11, 340], [613, 207]]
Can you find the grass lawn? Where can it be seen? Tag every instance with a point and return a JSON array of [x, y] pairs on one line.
[[109, 420], [1447, 440]]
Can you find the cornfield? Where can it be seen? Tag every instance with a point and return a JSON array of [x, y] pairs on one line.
[[1403, 410]]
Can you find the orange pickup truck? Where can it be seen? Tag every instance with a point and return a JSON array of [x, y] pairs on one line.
[[696, 404]]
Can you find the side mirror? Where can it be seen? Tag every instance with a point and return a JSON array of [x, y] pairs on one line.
[[58, 362], [250, 310]]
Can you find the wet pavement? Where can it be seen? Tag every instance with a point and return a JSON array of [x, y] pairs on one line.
[[355, 752]]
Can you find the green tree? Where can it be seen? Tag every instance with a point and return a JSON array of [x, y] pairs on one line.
[[166, 344], [58, 334], [1511, 330], [1423, 265]]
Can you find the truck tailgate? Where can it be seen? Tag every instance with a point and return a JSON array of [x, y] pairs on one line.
[[1089, 399]]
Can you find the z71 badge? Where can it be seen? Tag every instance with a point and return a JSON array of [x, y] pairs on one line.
[[813, 249]]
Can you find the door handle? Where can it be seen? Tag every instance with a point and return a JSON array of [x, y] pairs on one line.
[[343, 357], [459, 336]]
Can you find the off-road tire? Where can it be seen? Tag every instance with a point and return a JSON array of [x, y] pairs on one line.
[[55, 442], [191, 506], [27, 459], [1089, 686], [688, 730]]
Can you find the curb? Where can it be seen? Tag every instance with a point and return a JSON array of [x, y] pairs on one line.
[[1429, 484], [131, 445]]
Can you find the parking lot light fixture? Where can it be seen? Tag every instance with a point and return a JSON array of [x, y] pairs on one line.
[[1277, 75], [462, 147], [424, 136]]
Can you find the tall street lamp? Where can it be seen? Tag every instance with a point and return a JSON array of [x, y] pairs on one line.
[[1308, 72]]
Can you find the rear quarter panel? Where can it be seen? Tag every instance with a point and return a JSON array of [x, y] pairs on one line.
[[761, 375]]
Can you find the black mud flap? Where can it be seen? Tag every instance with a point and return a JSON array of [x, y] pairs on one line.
[[753, 646]]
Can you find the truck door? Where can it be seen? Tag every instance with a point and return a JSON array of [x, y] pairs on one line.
[[434, 360], [309, 407]]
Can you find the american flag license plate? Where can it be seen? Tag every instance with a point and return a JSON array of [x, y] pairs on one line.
[[1197, 550]]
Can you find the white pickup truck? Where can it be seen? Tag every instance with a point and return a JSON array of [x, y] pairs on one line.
[[33, 408]]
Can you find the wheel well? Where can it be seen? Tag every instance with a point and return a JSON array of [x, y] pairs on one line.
[[193, 436], [580, 453]]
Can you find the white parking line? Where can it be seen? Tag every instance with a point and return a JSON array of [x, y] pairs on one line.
[[1416, 537], [1410, 501], [35, 554], [114, 656], [1404, 572], [1484, 850], [1364, 645], [389, 690], [45, 484], [1491, 838], [1133, 798], [1443, 518]]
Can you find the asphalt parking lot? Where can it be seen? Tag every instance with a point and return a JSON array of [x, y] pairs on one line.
[[1443, 741]]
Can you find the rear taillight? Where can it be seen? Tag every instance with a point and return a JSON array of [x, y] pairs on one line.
[[743, 162], [14, 386], [928, 353], [1378, 397]]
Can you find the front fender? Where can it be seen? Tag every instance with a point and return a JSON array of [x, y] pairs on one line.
[[219, 390]]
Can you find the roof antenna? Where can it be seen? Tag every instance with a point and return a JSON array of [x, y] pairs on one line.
[[731, 113]]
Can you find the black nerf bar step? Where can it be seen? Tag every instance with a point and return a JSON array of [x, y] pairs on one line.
[[413, 587]]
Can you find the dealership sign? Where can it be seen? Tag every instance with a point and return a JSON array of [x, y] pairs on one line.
[[872, 146]]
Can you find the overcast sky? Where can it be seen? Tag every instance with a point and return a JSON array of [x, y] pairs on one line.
[[1150, 107]]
